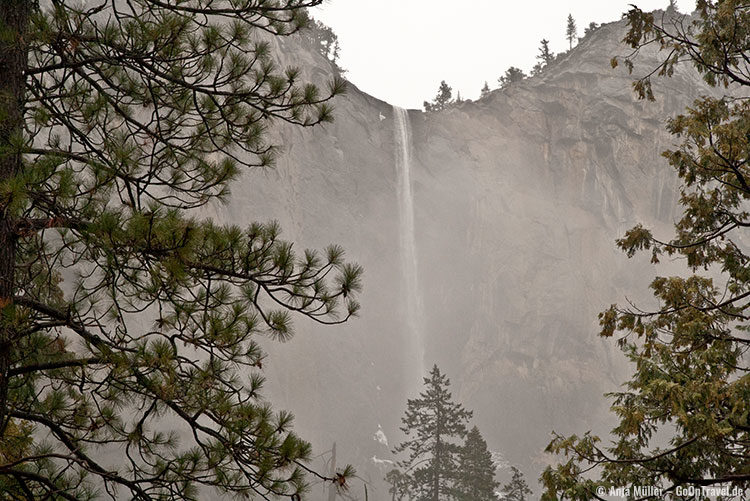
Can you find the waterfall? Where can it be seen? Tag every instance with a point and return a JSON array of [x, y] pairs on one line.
[[408, 242]]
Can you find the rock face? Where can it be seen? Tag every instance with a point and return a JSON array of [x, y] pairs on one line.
[[518, 199]]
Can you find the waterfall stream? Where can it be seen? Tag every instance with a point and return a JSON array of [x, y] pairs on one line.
[[408, 243]]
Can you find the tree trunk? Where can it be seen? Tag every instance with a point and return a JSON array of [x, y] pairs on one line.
[[438, 455], [14, 18]]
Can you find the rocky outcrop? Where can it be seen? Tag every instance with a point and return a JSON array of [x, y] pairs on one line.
[[518, 200]]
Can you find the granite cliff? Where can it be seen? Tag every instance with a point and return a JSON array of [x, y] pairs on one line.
[[518, 199]]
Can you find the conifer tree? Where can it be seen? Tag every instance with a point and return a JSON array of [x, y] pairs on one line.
[[434, 425], [571, 31], [592, 27], [485, 90], [443, 100], [323, 39], [517, 489], [511, 76], [400, 485], [475, 477], [544, 57], [128, 321]]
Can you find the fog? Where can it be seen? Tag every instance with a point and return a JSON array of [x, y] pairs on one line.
[[487, 236]]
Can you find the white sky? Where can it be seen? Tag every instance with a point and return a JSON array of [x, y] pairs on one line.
[[400, 50]]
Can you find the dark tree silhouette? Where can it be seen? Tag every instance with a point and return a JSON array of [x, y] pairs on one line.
[[433, 424], [512, 75], [485, 90], [517, 489], [443, 100], [475, 477], [571, 31]]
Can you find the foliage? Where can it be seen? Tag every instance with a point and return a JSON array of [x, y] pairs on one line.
[[400, 485], [512, 75], [323, 39], [475, 478], [432, 424], [592, 27], [129, 323], [517, 489], [544, 57], [571, 30], [485, 91], [715, 43], [691, 382], [443, 100], [15, 444]]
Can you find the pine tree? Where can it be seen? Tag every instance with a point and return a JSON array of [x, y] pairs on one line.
[[433, 424], [683, 414], [400, 485], [476, 471], [592, 27], [511, 76], [485, 91], [571, 31], [544, 57], [125, 315], [517, 489], [323, 39], [443, 100]]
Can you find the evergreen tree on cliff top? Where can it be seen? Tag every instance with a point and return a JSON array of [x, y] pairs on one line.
[[571, 30], [485, 90], [691, 380], [544, 57], [512, 75], [475, 477], [443, 100], [128, 322], [434, 425], [323, 39]]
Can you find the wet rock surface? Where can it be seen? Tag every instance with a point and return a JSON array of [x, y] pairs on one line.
[[518, 200]]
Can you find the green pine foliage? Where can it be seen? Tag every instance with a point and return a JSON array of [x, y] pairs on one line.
[[691, 379], [434, 426], [475, 479], [129, 323], [443, 100]]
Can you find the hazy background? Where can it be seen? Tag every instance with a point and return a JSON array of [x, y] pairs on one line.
[[518, 199], [400, 50]]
